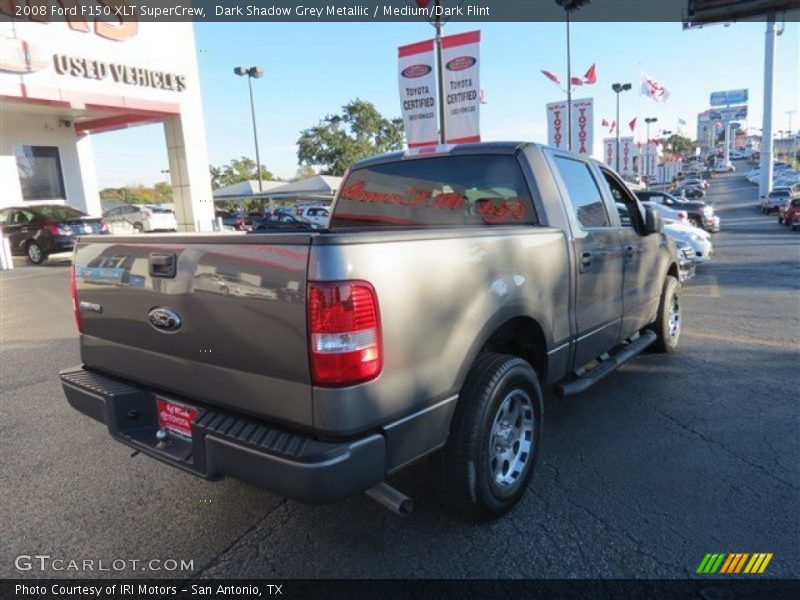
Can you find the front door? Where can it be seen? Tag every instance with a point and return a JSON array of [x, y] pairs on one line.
[[599, 258]]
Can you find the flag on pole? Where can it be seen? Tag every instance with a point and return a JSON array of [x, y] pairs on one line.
[[632, 124], [613, 126], [681, 122], [591, 76], [551, 76], [653, 89], [604, 123], [576, 81]]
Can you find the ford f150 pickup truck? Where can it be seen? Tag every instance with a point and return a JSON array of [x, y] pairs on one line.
[[449, 289]]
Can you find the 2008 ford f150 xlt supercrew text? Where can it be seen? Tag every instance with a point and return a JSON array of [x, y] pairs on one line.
[[449, 289]]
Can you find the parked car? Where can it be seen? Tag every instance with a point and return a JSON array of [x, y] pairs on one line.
[[667, 213], [699, 213], [796, 222], [723, 168], [701, 245], [736, 156], [686, 263], [689, 192], [282, 221], [143, 217], [697, 182], [370, 369], [789, 210], [775, 200], [231, 219], [319, 215], [41, 230]]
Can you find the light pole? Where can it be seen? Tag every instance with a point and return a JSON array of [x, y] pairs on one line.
[[570, 6], [618, 88], [648, 120], [253, 73]]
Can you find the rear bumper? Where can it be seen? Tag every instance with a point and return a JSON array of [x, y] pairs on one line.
[[224, 444]]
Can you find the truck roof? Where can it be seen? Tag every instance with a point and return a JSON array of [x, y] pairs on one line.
[[478, 148]]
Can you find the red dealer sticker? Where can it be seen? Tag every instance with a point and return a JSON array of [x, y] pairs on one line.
[[460, 63], [174, 417], [415, 71]]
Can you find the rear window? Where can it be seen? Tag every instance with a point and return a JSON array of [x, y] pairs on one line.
[[442, 191], [59, 213]]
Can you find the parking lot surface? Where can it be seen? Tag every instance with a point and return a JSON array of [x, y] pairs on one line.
[[668, 459]]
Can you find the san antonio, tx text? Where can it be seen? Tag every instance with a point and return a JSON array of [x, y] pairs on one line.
[[130, 589]]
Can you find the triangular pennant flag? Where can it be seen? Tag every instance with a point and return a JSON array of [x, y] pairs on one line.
[[632, 124], [551, 76], [591, 76]]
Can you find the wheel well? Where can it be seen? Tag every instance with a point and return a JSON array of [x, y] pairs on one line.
[[673, 270], [522, 337]]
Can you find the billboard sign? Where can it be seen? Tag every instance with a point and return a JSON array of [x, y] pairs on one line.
[[582, 125], [728, 97]]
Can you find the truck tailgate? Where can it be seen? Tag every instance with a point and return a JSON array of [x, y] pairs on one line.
[[227, 328]]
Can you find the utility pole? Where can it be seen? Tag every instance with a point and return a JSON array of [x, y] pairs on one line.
[[648, 120], [570, 6], [765, 183], [253, 73], [439, 72], [618, 88]]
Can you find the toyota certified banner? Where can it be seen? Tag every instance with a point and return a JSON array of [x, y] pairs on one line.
[[462, 90], [627, 152], [610, 152], [582, 125], [417, 81]]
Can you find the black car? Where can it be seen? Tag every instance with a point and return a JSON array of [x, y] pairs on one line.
[[700, 214], [282, 221], [44, 229]]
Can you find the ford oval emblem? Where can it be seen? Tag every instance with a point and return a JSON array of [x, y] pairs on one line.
[[164, 319], [460, 63], [415, 71]]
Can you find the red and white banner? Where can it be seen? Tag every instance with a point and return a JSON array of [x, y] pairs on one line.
[[582, 125], [417, 82], [462, 89], [610, 152], [627, 152]]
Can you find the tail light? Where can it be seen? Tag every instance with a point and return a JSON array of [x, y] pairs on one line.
[[73, 291], [344, 333], [56, 229], [103, 226]]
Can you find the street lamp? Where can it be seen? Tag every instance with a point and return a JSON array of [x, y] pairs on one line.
[[648, 120], [253, 73], [570, 6], [618, 88]]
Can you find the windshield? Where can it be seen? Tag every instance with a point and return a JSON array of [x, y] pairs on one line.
[[441, 191]]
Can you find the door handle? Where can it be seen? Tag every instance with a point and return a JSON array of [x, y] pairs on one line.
[[586, 258], [163, 265]]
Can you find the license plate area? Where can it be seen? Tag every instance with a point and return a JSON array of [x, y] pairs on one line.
[[175, 418]]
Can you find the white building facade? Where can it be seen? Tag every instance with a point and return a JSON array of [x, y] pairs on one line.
[[62, 83]]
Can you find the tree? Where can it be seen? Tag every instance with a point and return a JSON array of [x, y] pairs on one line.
[[160, 193], [678, 144], [304, 172], [238, 170], [340, 140]]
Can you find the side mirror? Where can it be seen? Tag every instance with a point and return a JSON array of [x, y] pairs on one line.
[[652, 221]]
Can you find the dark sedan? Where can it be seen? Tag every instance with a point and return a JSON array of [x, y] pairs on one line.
[[283, 222], [40, 230], [699, 213]]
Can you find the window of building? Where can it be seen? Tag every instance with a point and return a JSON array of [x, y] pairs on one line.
[[40, 175]]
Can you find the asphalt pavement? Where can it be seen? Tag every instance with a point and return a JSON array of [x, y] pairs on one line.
[[664, 461]]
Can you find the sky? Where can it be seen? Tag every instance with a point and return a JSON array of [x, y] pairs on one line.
[[313, 69]]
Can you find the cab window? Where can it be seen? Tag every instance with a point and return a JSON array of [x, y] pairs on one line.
[[584, 195], [627, 208]]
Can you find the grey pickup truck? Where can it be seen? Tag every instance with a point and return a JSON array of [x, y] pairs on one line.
[[448, 290]]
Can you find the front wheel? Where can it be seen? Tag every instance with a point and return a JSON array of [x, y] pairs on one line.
[[35, 254], [494, 439], [667, 325]]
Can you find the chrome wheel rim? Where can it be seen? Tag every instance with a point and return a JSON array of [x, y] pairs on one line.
[[511, 441], [674, 317], [34, 253]]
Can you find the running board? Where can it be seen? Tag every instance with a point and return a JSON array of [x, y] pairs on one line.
[[608, 364]]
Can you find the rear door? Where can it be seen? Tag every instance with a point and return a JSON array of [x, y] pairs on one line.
[[598, 256]]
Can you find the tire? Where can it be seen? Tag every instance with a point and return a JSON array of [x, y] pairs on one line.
[[780, 220], [138, 228], [667, 325], [35, 253], [485, 468], [696, 222]]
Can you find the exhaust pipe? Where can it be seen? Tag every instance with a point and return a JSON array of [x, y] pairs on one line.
[[392, 498]]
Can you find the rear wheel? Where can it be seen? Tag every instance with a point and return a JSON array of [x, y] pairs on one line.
[[696, 222], [667, 325], [35, 254], [138, 227], [494, 440]]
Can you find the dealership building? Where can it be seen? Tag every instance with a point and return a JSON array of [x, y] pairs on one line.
[[62, 83]]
